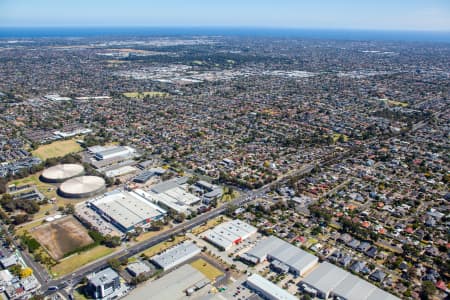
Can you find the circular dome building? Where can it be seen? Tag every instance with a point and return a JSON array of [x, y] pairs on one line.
[[60, 173], [82, 187]]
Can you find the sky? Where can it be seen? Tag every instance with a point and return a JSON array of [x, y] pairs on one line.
[[424, 15]]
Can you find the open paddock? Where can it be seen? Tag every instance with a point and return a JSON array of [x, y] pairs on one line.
[[62, 236]]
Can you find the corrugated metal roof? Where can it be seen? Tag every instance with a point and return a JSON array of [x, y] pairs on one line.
[[354, 288], [286, 253], [326, 277], [269, 288]]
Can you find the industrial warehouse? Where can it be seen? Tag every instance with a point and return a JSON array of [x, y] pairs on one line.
[[111, 152], [126, 210], [267, 289], [227, 234], [172, 194], [175, 285], [328, 280], [176, 255], [283, 256]]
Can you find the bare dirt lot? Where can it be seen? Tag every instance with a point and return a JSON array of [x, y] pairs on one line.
[[62, 236]]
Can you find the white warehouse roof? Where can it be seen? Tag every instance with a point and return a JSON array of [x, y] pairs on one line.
[[330, 279], [128, 209], [176, 255], [298, 260], [229, 233], [268, 289], [326, 277]]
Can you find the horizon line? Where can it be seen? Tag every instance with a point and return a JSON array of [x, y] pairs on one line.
[[220, 27]]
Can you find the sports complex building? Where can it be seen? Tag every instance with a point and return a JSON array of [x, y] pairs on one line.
[[126, 210], [227, 234]]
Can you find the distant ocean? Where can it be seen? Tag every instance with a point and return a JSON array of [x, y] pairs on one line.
[[360, 35]]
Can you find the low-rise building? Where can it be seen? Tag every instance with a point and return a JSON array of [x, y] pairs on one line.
[[225, 235], [275, 249], [175, 285], [127, 210], [267, 289], [138, 268], [176, 255]]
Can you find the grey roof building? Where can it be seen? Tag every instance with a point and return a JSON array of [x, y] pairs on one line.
[[328, 281], [357, 266], [138, 268], [267, 289], [273, 248], [103, 283], [9, 261], [352, 288], [168, 185], [363, 247], [176, 255], [378, 275], [325, 278], [172, 286]]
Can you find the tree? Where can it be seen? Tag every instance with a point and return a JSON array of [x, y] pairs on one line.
[[70, 209], [138, 231], [180, 217], [26, 272], [157, 225], [111, 241], [114, 263], [316, 230], [3, 183], [428, 290], [19, 219], [15, 269]]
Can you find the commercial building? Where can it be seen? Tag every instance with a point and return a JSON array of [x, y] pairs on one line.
[[138, 268], [79, 131], [103, 283], [274, 249], [120, 171], [324, 279], [56, 97], [174, 285], [172, 194], [267, 289], [146, 175], [111, 152], [8, 261], [176, 255], [328, 281], [225, 235], [126, 210]]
